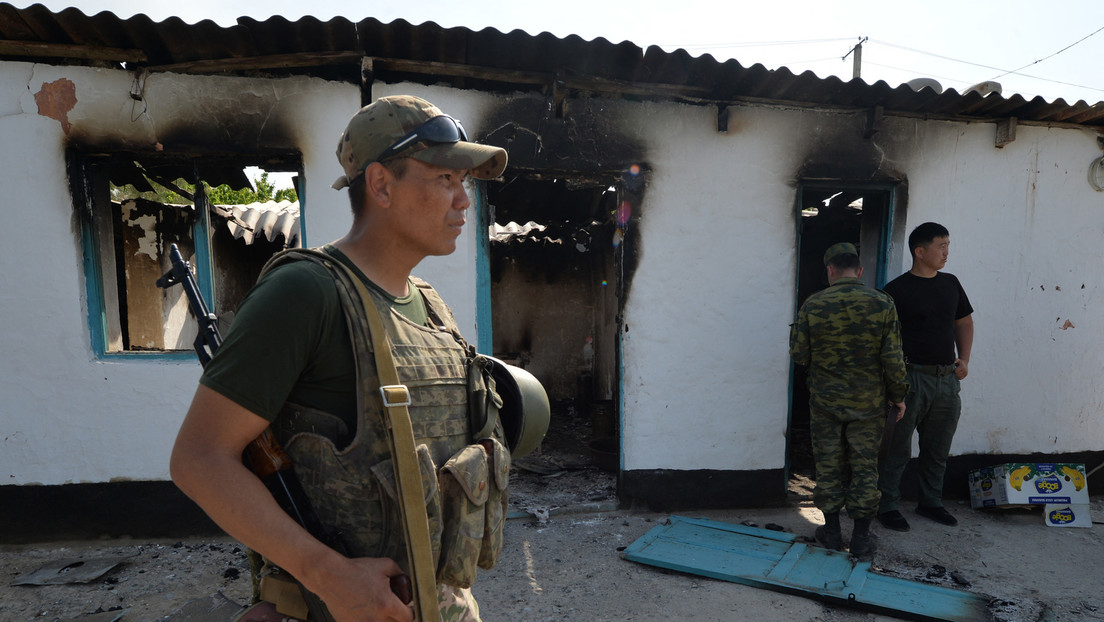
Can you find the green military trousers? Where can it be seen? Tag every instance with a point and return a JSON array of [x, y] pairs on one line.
[[932, 409], [838, 444]]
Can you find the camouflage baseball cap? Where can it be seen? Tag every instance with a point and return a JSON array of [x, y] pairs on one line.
[[377, 127], [835, 250]]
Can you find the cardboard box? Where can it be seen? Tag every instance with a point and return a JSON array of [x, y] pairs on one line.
[[1029, 483], [1067, 515]]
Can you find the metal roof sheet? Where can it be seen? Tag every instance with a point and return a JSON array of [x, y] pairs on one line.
[[271, 219], [485, 59]]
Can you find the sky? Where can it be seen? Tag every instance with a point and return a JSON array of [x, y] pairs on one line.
[[1030, 47]]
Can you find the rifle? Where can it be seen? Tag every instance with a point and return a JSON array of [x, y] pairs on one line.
[[264, 455], [208, 340]]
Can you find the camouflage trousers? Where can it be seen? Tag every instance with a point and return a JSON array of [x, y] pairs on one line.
[[457, 604], [846, 454]]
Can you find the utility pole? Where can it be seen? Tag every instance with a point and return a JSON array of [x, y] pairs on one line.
[[856, 62]]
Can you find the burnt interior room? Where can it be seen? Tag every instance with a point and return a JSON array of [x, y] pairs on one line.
[[554, 303], [829, 214], [116, 196]]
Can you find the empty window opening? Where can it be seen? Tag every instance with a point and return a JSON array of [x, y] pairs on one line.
[[830, 213], [554, 302], [227, 217]]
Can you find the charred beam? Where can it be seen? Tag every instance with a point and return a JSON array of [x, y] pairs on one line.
[[27, 49], [455, 70], [574, 83], [367, 79], [261, 63], [873, 121], [559, 95]]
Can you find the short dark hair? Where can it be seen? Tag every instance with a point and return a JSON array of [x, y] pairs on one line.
[[845, 261], [923, 235], [358, 197]]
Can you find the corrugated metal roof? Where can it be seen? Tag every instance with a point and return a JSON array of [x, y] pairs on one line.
[[273, 220], [485, 59]]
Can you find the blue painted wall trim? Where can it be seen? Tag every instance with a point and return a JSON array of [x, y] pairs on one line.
[[301, 192], [94, 287], [483, 322], [202, 259]]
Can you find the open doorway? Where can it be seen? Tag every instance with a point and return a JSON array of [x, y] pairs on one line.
[[554, 306], [829, 213]]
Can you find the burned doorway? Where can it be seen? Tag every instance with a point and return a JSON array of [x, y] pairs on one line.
[[554, 303], [828, 213]]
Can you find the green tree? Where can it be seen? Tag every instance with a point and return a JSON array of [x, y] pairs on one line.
[[219, 195]]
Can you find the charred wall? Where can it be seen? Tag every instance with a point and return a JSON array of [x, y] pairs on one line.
[[583, 137], [582, 142], [847, 148], [553, 282]]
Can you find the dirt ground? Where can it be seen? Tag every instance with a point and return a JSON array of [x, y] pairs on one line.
[[566, 565]]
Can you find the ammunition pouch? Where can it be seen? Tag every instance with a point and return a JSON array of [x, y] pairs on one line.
[[484, 402], [473, 499]]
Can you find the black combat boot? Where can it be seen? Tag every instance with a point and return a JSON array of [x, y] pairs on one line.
[[828, 534], [863, 542]]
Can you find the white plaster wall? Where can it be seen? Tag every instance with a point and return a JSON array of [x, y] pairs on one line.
[[704, 352], [67, 417], [1025, 243], [705, 363]]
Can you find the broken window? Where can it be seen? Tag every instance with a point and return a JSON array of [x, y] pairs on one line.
[[134, 207], [553, 266]]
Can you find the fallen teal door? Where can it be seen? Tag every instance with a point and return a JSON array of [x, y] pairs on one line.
[[775, 561]]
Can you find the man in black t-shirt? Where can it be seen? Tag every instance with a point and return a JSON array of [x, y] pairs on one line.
[[937, 332]]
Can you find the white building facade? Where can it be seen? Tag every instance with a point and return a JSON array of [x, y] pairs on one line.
[[709, 232]]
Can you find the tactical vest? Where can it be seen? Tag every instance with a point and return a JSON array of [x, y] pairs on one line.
[[348, 475]]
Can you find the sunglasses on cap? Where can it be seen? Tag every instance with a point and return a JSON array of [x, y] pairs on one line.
[[439, 129]]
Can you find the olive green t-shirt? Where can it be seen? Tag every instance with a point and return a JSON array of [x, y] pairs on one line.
[[290, 342]]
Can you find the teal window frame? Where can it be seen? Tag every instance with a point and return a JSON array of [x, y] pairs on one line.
[[98, 307], [85, 180]]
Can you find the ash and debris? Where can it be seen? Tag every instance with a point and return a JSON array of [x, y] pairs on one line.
[[563, 474], [157, 578], [1031, 573], [160, 577]]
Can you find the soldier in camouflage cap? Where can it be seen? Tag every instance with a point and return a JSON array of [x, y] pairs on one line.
[[848, 337], [296, 359], [408, 126]]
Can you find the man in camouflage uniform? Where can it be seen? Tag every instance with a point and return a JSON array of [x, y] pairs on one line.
[[848, 337], [296, 358]]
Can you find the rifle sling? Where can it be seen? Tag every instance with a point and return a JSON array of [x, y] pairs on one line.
[[408, 478]]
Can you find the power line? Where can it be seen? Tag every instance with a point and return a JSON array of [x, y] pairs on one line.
[[967, 82], [810, 61], [749, 44], [1052, 55], [1005, 71], [956, 60]]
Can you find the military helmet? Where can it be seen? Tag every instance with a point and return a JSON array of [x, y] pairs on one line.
[[525, 410]]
